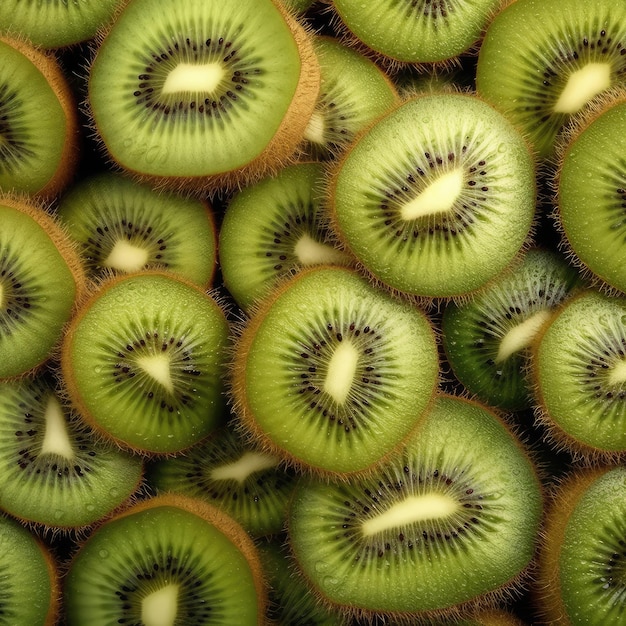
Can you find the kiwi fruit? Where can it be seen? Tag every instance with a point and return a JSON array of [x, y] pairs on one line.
[[581, 574], [143, 362], [578, 366], [167, 560], [274, 228], [331, 373], [591, 191], [210, 95], [29, 587], [437, 197], [420, 31], [122, 226], [487, 339], [38, 121], [448, 524], [542, 61], [41, 279], [247, 484]]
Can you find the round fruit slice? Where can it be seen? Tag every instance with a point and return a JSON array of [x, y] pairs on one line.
[[143, 362], [332, 373]]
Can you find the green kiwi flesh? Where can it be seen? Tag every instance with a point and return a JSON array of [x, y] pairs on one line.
[[591, 189], [272, 229], [437, 197], [144, 370], [542, 61], [487, 339], [578, 369], [54, 472], [169, 560], [454, 518], [122, 226], [332, 373], [245, 483]]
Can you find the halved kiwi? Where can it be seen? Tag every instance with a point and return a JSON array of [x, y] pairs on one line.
[[203, 94], [452, 522], [143, 362], [331, 374]]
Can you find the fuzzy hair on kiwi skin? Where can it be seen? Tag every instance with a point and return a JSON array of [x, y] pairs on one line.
[[428, 303], [576, 126], [283, 147]]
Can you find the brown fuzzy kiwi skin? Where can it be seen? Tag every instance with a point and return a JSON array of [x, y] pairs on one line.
[[244, 422], [210, 514], [575, 127], [46, 62], [69, 388], [422, 301], [282, 150], [42, 214], [489, 602]]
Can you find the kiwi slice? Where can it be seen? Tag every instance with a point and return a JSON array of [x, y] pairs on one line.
[[272, 229], [123, 226], [53, 471], [542, 61], [579, 372], [143, 361], [38, 125], [245, 483], [437, 198], [419, 31], [29, 591], [56, 23], [168, 560], [353, 93], [451, 523], [581, 579], [591, 188], [331, 374], [40, 280], [487, 338], [206, 95]]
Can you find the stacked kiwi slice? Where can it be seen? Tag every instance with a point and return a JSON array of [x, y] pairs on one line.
[[312, 312]]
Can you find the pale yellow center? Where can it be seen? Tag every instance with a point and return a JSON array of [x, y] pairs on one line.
[[247, 464], [56, 439], [316, 128], [412, 509], [160, 607], [521, 335], [438, 197], [158, 366], [582, 85], [617, 375], [187, 77], [341, 370], [1, 295], [126, 257], [311, 252]]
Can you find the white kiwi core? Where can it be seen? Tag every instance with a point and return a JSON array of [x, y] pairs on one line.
[[438, 197], [582, 85], [1, 295], [521, 336], [126, 257], [315, 130], [160, 607], [194, 78], [617, 375], [247, 464], [341, 371], [311, 252], [158, 367], [412, 509], [56, 439]]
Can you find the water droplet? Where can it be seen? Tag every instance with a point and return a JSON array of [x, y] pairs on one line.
[[321, 566], [103, 554], [97, 369], [330, 581], [502, 148], [91, 508]]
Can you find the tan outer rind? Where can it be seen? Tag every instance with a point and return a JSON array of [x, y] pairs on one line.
[[546, 588], [282, 149], [55, 586], [49, 67]]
